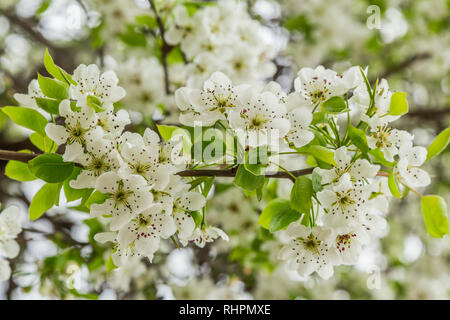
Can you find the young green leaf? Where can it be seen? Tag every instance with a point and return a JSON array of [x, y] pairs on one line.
[[283, 218], [439, 144], [358, 138], [247, 180], [96, 197], [53, 88], [323, 154], [434, 211], [43, 143], [27, 117], [319, 117], [334, 105], [197, 216], [19, 171], [44, 199], [50, 167], [301, 195], [95, 103], [379, 157], [167, 132], [74, 194], [316, 181], [272, 208], [399, 104], [393, 186], [56, 71], [49, 105], [110, 266], [147, 20]]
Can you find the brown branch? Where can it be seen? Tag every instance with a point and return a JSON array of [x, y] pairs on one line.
[[437, 113], [25, 157], [165, 48], [404, 64]]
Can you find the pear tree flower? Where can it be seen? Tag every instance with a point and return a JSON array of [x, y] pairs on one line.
[[79, 127], [411, 158], [127, 195], [358, 170], [261, 119], [204, 235], [91, 83], [344, 202], [144, 230], [308, 250], [101, 156], [10, 227]]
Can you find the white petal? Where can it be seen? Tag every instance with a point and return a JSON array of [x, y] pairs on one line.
[[5, 270], [192, 201], [9, 248], [57, 133]]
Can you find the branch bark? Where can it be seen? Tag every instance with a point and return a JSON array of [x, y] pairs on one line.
[[25, 157], [165, 47]]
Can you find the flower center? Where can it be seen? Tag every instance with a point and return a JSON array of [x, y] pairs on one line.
[[382, 137], [98, 165], [140, 168], [121, 196], [344, 241], [311, 243], [76, 134]]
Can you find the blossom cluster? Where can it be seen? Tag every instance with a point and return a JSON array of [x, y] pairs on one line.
[[221, 38], [10, 227], [144, 199], [353, 191]]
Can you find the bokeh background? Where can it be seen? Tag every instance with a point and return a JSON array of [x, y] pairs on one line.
[[405, 41]]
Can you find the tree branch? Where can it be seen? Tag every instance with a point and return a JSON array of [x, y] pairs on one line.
[[165, 48], [404, 64], [25, 157]]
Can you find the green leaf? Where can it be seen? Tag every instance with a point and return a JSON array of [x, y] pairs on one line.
[[168, 132], [256, 160], [272, 208], [283, 218], [43, 143], [73, 194], [44, 199], [49, 105], [439, 144], [358, 138], [207, 185], [247, 180], [96, 197], [316, 181], [399, 104], [27, 117], [393, 186], [18, 170], [197, 216], [301, 195], [334, 105], [95, 103], [175, 56], [379, 156], [133, 37], [322, 153], [53, 88], [55, 71], [319, 117], [51, 168], [434, 211], [147, 20], [110, 266]]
